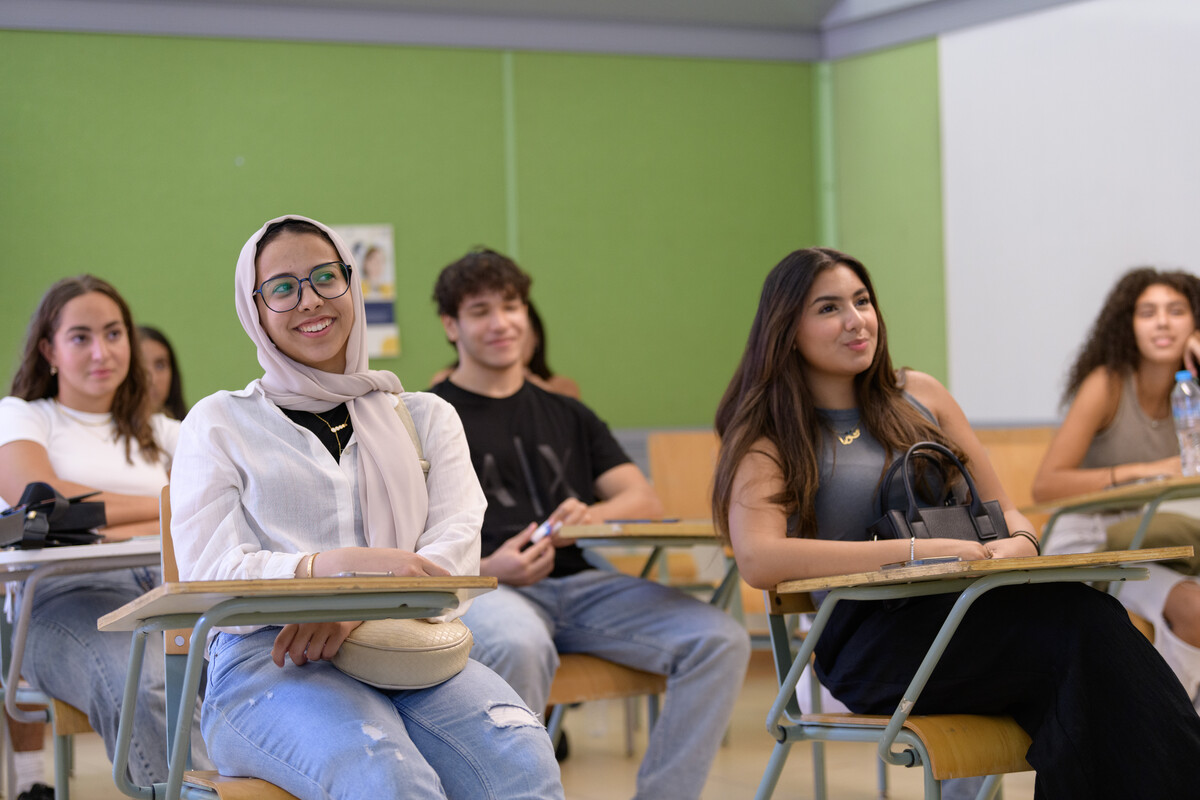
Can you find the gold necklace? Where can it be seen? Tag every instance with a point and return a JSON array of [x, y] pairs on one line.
[[67, 412], [849, 436], [335, 428]]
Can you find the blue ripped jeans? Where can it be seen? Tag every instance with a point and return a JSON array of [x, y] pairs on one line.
[[68, 659], [318, 733], [519, 632]]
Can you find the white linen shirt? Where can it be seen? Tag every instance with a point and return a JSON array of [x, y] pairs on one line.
[[252, 492]]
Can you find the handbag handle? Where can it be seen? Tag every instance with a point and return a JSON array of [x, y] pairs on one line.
[[38, 496], [885, 486], [916, 452]]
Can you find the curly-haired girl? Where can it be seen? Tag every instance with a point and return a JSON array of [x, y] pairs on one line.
[[1118, 429]]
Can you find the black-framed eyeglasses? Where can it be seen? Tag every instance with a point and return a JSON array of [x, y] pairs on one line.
[[282, 294]]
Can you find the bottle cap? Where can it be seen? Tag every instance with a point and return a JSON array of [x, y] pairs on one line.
[[1183, 375]]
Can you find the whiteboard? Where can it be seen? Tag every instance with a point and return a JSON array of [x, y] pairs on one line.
[[1071, 153]]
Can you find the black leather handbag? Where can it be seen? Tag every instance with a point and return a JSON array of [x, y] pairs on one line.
[[947, 517], [44, 518]]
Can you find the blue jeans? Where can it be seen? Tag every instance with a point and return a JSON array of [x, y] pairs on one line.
[[519, 632], [68, 659], [318, 733]]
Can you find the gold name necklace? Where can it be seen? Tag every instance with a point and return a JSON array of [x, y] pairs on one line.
[[849, 436], [335, 428]]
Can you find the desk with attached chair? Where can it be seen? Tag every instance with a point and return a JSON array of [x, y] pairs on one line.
[[944, 746]]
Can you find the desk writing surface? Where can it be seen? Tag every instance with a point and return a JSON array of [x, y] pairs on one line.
[[962, 569], [1130, 495], [685, 529], [197, 597], [142, 546]]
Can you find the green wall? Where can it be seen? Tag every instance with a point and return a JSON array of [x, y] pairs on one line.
[[887, 154], [649, 195]]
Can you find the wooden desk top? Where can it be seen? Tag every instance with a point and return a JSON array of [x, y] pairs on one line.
[[961, 569], [684, 529], [1130, 495], [197, 597]]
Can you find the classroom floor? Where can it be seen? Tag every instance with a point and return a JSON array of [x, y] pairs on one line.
[[599, 770]]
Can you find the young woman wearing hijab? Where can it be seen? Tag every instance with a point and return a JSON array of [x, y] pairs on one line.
[[308, 471]]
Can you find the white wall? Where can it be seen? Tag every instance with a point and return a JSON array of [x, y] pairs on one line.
[[1071, 152]]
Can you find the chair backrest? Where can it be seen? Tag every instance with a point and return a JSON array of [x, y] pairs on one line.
[[176, 641], [1016, 454], [681, 468], [170, 568]]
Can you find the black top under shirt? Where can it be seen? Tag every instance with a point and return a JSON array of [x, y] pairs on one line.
[[532, 450], [335, 417]]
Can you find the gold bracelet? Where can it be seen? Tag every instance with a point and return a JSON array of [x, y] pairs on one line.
[[1027, 535], [311, 559]]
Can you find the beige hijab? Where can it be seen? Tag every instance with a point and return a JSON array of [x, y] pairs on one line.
[[391, 486]]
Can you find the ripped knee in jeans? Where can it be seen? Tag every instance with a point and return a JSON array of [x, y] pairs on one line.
[[508, 715]]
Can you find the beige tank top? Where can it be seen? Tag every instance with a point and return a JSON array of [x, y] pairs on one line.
[[1132, 437]]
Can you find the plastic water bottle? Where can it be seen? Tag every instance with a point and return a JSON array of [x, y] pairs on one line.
[[1185, 408]]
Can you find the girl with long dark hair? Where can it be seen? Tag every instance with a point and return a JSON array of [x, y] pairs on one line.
[[812, 418]]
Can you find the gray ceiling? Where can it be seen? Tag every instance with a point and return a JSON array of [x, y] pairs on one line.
[[798, 30]]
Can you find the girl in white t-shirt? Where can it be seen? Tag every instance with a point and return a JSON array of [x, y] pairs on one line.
[[79, 418]]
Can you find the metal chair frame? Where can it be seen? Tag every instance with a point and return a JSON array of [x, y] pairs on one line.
[[788, 725], [181, 694]]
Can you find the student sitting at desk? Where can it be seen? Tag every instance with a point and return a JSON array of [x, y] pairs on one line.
[[80, 419], [1118, 428], [309, 472], [811, 419], [544, 457]]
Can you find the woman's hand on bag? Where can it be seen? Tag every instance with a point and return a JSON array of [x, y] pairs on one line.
[[402, 563], [310, 641], [1012, 547], [967, 551]]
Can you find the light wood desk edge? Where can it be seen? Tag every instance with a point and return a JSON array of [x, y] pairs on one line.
[[1130, 495], [658, 530], [197, 597], [959, 569]]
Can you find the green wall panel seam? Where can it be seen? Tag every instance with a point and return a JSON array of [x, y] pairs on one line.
[[823, 146], [510, 153]]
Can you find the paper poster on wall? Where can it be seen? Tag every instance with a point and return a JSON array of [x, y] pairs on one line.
[[372, 246]]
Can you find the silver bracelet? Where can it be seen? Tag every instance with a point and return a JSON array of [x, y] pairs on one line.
[[912, 549]]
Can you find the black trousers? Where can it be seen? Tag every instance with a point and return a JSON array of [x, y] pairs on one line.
[[1107, 716]]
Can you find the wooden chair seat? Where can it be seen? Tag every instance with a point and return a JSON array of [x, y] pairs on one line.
[[1142, 624], [230, 788], [583, 677], [959, 745], [69, 720]]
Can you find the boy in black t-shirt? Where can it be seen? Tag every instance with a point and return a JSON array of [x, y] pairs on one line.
[[545, 457]]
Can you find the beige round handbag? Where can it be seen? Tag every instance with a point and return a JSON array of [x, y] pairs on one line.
[[404, 653]]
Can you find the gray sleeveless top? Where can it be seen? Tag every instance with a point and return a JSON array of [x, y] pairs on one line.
[[1132, 436], [849, 475]]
